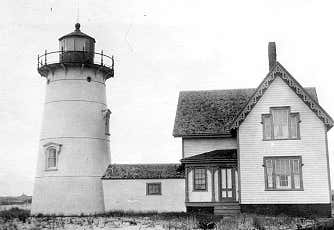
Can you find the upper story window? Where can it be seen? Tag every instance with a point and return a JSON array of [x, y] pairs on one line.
[[200, 179], [51, 155], [283, 173], [153, 189], [280, 124]]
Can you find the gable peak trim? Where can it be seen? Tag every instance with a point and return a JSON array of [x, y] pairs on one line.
[[280, 71]]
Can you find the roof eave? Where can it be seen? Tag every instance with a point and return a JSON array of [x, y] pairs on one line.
[[203, 135]]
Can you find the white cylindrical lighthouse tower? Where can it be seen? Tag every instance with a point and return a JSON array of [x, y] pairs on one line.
[[74, 147]]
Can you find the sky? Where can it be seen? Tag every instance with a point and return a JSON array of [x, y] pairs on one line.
[[161, 47]]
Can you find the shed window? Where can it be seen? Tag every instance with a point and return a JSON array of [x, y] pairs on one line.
[[280, 124], [199, 179], [153, 189], [283, 173]]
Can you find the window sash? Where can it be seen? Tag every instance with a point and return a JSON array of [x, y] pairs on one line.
[[51, 158], [283, 173], [294, 125], [280, 123], [199, 179], [153, 189], [267, 127]]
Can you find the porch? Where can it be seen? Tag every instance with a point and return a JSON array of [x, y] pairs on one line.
[[211, 182]]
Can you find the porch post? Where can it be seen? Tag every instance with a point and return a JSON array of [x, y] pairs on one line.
[[186, 185], [213, 199], [219, 184]]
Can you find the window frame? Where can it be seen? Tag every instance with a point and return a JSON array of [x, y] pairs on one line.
[[205, 180], [148, 193], [48, 153], [57, 148], [270, 116], [274, 158]]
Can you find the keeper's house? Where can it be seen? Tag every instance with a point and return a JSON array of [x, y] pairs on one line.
[[258, 150]]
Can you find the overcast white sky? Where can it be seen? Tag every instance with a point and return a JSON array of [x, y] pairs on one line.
[[160, 47]]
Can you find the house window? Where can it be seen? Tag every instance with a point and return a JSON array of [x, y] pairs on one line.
[[199, 179], [283, 173], [280, 124], [153, 189]]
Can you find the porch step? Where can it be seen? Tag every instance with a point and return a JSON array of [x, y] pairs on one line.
[[227, 209]]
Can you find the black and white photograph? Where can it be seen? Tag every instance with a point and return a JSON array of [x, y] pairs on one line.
[[166, 114]]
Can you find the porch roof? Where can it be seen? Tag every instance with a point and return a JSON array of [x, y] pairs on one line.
[[215, 156]]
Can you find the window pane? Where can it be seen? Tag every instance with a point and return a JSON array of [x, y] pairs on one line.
[[51, 154], [154, 189], [223, 178], [280, 123], [229, 178], [229, 194], [269, 167], [294, 126], [266, 126], [295, 166], [283, 173], [297, 181], [199, 179], [224, 194]]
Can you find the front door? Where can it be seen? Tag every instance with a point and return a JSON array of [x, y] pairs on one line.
[[228, 184]]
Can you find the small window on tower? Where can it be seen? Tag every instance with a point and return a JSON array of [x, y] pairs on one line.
[[51, 158], [51, 155], [106, 116]]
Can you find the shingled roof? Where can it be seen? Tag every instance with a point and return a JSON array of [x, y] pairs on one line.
[[144, 171], [211, 112], [215, 156]]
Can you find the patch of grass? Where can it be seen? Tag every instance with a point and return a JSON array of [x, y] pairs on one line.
[[13, 213], [160, 215]]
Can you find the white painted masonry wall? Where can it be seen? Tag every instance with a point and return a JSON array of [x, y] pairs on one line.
[[73, 118], [312, 148], [195, 146], [130, 195]]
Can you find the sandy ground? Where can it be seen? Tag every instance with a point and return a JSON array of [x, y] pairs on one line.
[[147, 223]]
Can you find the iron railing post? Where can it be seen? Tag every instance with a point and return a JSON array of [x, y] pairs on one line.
[[101, 57], [37, 61], [45, 60]]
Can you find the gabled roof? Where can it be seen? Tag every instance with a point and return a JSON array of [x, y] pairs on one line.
[[212, 112], [144, 171], [302, 93], [216, 156]]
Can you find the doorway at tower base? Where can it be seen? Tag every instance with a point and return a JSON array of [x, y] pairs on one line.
[[67, 196], [144, 188]]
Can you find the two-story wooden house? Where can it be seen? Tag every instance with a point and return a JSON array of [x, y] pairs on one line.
[[260, 150]]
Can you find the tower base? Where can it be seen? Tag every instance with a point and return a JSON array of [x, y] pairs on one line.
[[71, 195]]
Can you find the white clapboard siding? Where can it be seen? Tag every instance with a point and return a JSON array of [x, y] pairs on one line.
[[312, 148], [199, 196], [195, 146]]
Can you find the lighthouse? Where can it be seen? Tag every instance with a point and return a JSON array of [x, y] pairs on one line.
[[74, 149]]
